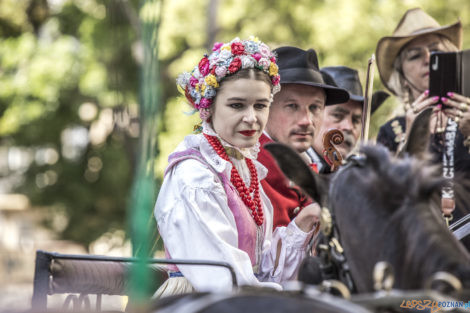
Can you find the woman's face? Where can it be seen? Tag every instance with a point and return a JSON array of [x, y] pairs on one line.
[[241, 110], [415, 57]]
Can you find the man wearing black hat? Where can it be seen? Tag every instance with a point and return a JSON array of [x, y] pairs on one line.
[[295, 116], [346, 116]]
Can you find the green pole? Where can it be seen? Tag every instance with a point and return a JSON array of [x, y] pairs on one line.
[[144, 186]]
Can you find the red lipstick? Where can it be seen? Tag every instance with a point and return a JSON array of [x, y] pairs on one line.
[[248, 133]]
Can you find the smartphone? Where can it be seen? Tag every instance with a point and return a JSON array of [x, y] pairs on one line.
[[449, 72]]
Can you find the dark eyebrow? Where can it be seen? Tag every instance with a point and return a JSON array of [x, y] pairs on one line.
[[243, 99], [433, 44], [316, 101], [357, 115], [341, 110]]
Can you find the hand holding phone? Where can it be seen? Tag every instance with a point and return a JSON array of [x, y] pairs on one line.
[[449, 72]]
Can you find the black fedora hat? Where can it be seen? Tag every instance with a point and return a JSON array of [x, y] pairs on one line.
[[346, 78], [297, 66], [378, 97]]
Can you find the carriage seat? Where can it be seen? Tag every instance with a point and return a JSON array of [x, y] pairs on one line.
[[83, 275]]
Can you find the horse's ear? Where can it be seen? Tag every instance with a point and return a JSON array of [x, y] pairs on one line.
[[295, 168], [418, 139]]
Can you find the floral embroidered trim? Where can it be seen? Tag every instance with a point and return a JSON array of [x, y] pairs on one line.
[[466, 143], [398, 131]]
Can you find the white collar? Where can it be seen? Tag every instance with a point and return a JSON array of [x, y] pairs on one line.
[[251, 152], [215, 161]]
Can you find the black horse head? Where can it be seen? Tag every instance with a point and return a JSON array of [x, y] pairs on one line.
[[386, 209]]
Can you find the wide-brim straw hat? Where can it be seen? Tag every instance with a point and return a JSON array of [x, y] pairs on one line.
[[413, 24]]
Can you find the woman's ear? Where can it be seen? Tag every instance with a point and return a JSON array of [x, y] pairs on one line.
[[211, 112]]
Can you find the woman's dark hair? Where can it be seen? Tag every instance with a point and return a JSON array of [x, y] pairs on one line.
[[249, 73]]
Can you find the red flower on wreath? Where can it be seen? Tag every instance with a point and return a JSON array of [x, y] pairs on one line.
[[238, 48], [193, 81], [275, 80], [205, 103], [204, 66], [235, 65], [257, 56]]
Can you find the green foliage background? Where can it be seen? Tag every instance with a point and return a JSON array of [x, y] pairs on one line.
[[57, 55]]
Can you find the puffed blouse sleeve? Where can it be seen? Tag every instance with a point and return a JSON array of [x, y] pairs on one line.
[[283, 250], [196, 223]]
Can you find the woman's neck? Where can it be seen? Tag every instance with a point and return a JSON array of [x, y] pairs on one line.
[[415, 94]]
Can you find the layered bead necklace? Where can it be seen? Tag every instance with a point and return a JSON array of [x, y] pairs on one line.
[[252, 202]]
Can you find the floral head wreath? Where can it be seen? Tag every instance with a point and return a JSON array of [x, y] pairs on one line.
[[200, 86]]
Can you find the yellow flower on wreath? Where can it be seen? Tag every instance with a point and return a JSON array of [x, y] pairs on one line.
[[273, 69], [211, 81], [254, 39]]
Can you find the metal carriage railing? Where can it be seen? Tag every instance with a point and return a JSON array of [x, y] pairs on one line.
[[80, 276]]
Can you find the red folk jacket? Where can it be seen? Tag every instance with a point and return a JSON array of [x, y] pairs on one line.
[[286, 198]]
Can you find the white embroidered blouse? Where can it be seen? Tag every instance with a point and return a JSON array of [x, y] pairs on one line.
[[195, 222]]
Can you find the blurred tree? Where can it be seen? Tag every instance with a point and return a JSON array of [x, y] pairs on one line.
[[69, 81], [342, 32], [69, 84]]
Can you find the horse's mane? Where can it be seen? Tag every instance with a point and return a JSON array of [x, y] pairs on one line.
[[415, 178]]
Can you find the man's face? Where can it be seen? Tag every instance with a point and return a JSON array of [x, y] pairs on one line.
[[347, 118], [295, 115]]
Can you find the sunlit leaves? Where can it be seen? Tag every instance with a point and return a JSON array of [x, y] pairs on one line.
[[179, 123]]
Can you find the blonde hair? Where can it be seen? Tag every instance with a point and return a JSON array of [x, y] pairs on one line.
[[397, 82]]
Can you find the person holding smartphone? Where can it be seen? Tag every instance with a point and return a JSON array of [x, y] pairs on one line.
[[403, 61], [403, 64]]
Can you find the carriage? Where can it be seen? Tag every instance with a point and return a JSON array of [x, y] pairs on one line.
[[411, 262]]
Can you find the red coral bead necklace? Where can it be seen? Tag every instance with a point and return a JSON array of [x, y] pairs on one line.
[[252, 202]]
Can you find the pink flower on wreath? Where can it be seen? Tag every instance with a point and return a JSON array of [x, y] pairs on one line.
[[256, 56], [273, 59], [205, 103], [217, 46], [204, 66], [264, 50], [264, 63], [193, 81], [238, 48], [220, 71], [235, 65], [275, 80]]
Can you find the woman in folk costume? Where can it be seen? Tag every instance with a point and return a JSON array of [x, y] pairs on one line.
[[211, 205], [403, 61]]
